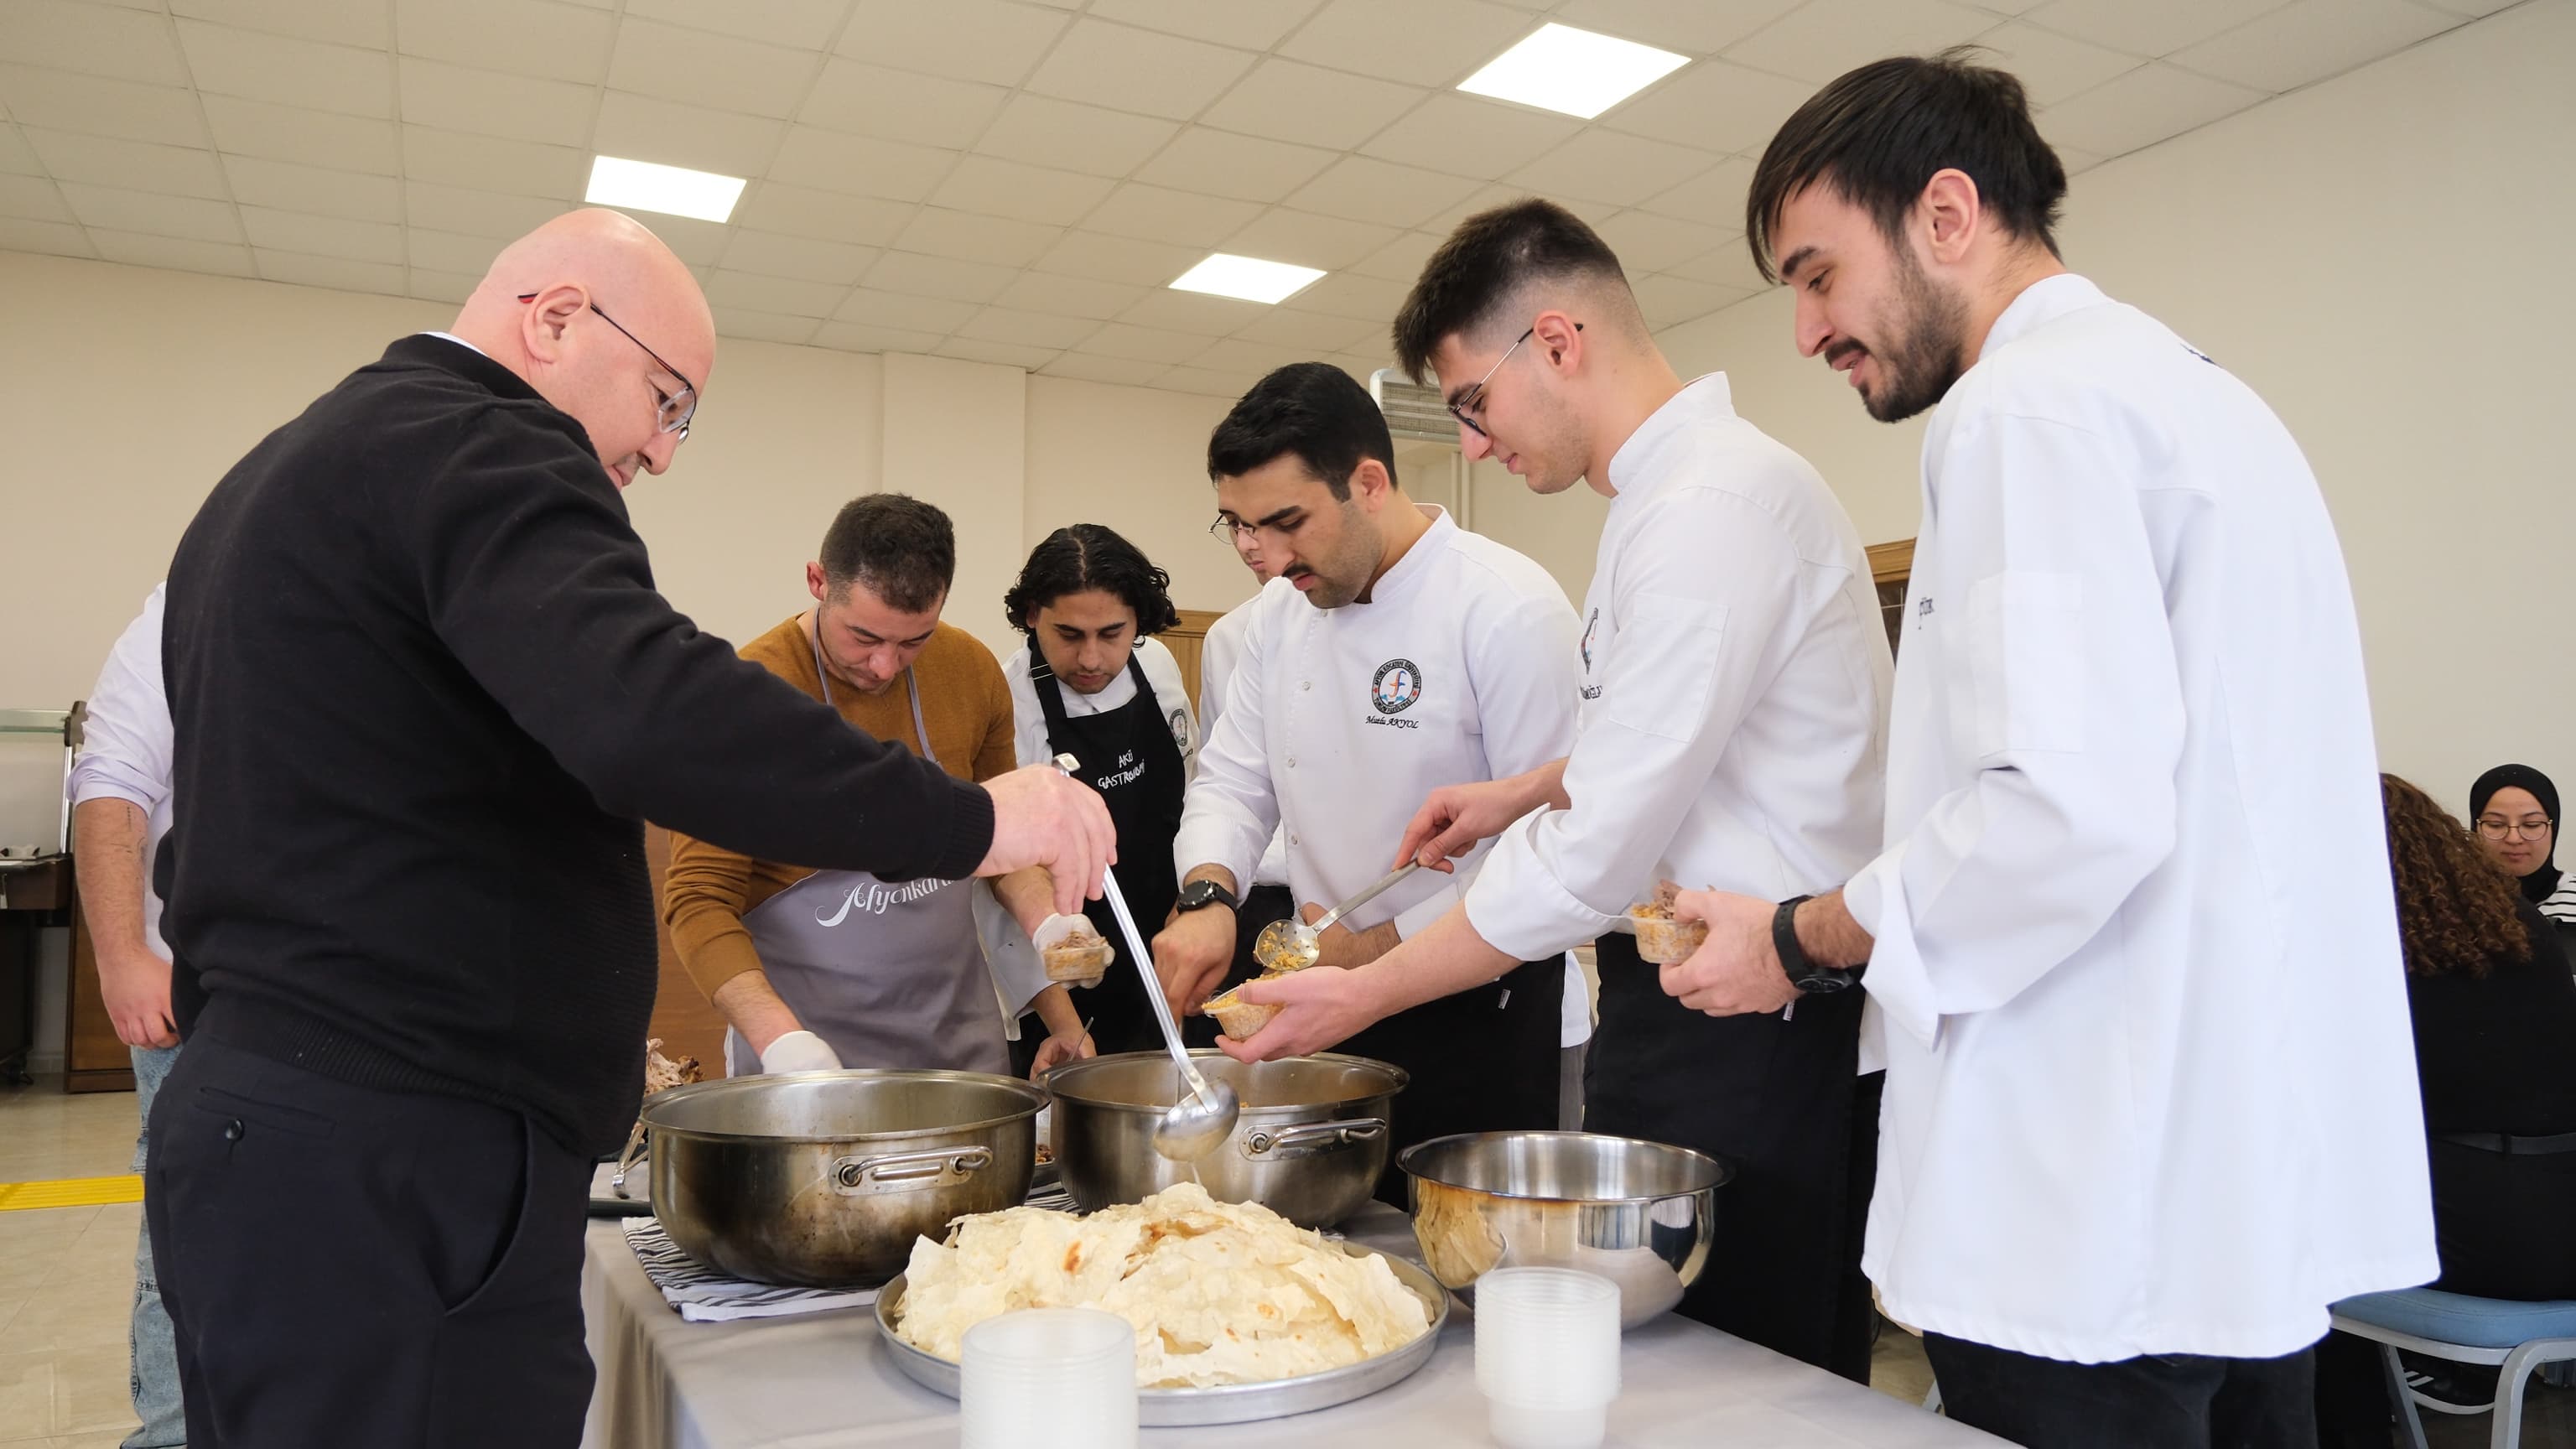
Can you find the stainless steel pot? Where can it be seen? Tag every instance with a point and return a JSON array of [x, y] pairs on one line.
[[1640, 1214], [1309, 1144], [825, 1178]]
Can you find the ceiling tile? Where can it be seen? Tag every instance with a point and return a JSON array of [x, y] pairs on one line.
[[699, 243], [1608, 167], [366, 23], [475, 213], [2071, 158], [1156, 213], [227, 61], [970, 40], [1362, 188], [322, 236], [1729, 264], [1289, 101], [16, 159], [447, 251], [536, 38], [53, 238], [1250, 24], [823, 215], [1085, 367], [488, 103], [1714, 198], [32, 198], [939, 232], [932, 316], [1070, 296], [1327, 243], [999, 354], [61, 101], [137, 211], [947, 277], [1828, 37], [338, 273], [1714, 105], [1028, 329], [872, 100], [765, 326], [1402, 259], [2052, 67], [1196, 313], [803, 258], [436, 286], [2145, 106], [1371, 299], [1104, 258], [91, 39], [1124, 68], [643, 129], [177, 254], [495, 163], [1211, 384], [1028, 193], [1424, 42], [859, 165], [720, 71], [2472, 8], [728, 288], [1046, 132], [134, 165], [1244, 355], [1143, 344], [1244, 167], [312, 138], [286, 186], [1471, 135], [1361, 364], [1646, 242], [1693, 27], [852, 337], [2157, 29], [2310, 40], [804, 24], [1671, 301], [1311, 333]]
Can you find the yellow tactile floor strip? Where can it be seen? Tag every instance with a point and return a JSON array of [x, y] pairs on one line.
[[63, 1192]]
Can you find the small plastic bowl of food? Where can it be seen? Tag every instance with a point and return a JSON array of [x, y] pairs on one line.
[[1661, 939], [1241, 1019], [1079, 957]]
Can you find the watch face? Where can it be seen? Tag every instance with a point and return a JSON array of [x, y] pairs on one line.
[[1821, 981]]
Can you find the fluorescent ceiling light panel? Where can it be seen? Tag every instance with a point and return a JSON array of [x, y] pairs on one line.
[[1254, 280], [671, 190], [1560, 68]]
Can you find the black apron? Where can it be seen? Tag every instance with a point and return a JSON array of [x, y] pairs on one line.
[[1132, 755], [1778, 1100]]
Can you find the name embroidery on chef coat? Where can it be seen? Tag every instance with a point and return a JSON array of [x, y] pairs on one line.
[[1397, 687]]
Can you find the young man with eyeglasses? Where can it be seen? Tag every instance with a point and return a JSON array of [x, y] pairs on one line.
[[1733, 673], [1397, 652]]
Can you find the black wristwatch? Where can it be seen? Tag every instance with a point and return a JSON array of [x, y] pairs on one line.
[[1804, 974], [1201, 893]]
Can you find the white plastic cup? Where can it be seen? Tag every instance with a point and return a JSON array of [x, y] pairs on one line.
[[1547, 1355], [1063, 1377]]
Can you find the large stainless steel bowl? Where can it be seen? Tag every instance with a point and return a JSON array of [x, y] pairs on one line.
[[1309, 1144], [826, 1178], [1640, 1214]]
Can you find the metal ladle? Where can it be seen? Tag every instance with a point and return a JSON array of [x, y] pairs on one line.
[[1198, 1123], [1293, 945]]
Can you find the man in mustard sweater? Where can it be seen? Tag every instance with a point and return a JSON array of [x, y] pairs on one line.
[[817, 969]]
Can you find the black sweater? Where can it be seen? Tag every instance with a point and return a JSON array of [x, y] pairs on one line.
[[2491, 1051], [423, 689]]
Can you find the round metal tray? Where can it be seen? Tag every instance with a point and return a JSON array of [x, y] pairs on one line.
[[1224, 1403]]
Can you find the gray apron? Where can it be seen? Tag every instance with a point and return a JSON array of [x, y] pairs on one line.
[[890, 974]]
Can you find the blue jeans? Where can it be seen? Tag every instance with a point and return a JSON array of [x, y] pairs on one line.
[[155, 1357]]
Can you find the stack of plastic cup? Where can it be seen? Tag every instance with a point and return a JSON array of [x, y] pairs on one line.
[[1062, 1377], [1547, 1355]]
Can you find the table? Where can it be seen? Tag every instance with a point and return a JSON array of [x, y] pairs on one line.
[[825, 1381]]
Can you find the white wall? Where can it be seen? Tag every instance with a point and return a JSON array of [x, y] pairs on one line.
[[2382, 257]]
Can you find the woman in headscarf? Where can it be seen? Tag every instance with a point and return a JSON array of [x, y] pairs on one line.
[[2516, 810]]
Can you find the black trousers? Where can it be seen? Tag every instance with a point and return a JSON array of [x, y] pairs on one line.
[[2179, 1401], [1485, 1060], [350, 1266]]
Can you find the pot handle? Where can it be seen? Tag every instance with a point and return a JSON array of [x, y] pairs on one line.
[[626, 1160], [904, 1171], [1308, 1138]]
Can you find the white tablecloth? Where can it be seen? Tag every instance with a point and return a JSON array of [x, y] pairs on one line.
[[824, 1381]]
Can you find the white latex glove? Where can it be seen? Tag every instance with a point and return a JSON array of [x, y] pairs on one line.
[[799, 1051]]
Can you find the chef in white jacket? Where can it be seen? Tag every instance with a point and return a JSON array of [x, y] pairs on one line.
[[1734, 676], [2151, 1100], [1267, 899], [1396, 653]]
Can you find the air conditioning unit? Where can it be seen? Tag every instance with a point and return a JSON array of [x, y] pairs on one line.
[[1413, 412]]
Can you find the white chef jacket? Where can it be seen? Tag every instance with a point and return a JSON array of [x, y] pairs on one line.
[[1219, 653], [1162, 671], [1735, 683], [125, 745], [1339, 722], [2151, 1083]]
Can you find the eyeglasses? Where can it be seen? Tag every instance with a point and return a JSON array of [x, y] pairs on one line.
[[1233, 535], [2494, 829], [1473, 399], [677, 407]]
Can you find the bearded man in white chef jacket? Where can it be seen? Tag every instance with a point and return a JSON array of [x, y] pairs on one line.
[[1734, 675], [2151, 1099], [1395, 653]]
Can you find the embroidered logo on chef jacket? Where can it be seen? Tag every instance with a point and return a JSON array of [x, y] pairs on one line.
[[1181, 729], [1397, 686], [1590, 627]]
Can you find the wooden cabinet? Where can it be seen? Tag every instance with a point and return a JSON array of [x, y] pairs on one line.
[[1186, 640], [688, 1024], [1891, 565]]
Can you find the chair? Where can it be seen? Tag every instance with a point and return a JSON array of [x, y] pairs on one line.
[[2517, 1337]]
